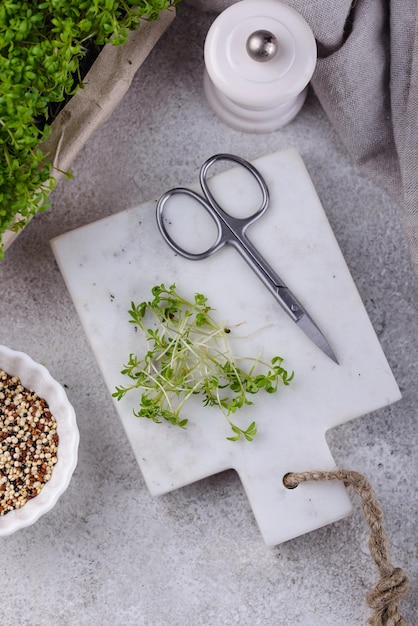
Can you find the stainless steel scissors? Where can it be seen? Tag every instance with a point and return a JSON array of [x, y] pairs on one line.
[[232, 230]]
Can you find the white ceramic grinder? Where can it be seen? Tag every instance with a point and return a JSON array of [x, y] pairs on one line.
[[260, 56]]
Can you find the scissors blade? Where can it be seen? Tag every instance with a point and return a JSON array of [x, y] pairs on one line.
[[297, 312], [310, 329]]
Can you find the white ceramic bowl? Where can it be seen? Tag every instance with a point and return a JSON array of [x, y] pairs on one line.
[[35, 376]]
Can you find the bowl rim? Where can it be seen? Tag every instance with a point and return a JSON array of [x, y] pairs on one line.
[[35, 376]]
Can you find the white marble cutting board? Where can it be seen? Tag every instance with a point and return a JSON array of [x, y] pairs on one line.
[[118, 259]]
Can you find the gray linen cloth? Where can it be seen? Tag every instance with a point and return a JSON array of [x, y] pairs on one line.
[[366, 80]]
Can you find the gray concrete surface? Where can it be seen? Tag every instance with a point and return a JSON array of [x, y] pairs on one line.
[[109, 553]]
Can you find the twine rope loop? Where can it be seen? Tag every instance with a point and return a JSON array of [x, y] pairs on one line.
[[393, 582]]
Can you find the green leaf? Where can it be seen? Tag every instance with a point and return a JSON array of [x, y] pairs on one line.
[[42, 48], [183, 358]]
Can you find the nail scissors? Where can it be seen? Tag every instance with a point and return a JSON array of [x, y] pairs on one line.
[[232, 230]]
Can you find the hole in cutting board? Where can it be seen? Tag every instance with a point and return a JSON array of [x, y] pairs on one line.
[[286, 484]]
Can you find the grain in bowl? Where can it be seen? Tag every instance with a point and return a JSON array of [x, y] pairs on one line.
[[38, 441]]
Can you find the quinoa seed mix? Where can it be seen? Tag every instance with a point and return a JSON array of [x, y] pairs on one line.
[[28, 443]]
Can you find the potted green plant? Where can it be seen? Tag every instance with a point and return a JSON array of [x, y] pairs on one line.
[[64, 66]]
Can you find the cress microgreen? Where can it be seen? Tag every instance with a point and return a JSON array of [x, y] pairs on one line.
[[43, 50], [188, 353]]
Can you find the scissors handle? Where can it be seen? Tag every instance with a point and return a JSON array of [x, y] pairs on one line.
[[227, 225], [230, 221], [220, 240]]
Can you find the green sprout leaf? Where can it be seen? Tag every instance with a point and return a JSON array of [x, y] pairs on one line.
[[45, 50], [188, 354]]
